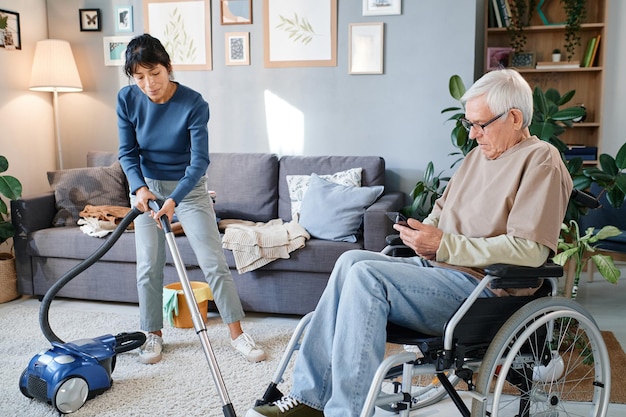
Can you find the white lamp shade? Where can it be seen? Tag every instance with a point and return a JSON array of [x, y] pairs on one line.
[[54, 68]]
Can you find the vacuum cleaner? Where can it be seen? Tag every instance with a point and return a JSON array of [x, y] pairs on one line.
[[70, 373]]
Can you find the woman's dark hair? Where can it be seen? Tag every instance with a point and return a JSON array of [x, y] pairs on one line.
[[146, 51]]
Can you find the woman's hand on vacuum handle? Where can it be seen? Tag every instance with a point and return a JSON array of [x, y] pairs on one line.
[[142, 196], [167, 209]]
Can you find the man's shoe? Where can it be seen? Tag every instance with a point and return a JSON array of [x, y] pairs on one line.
[[150, 351], [245, 345], [285, 407]]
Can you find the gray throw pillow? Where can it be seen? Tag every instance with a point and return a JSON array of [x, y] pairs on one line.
[[333, 211], [75, 188]]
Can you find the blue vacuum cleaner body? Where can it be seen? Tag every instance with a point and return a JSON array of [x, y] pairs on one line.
[[68, 374]]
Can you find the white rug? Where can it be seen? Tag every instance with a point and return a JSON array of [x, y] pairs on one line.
[[180, 385]]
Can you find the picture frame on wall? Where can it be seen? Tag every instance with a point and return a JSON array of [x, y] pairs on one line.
[[114, 48], [124, 19], [236, 12], [89, 20], [365, 48], [237, 48], [184, 29], [300, 33], [522, 60], [10, 36], [382, 7]]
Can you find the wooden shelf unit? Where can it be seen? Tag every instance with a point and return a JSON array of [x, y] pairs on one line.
[[588, 82]]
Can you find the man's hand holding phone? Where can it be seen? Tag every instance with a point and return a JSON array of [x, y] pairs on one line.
[[424, 239], [398, 218]]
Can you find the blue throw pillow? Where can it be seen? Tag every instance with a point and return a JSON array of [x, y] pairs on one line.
[[333, 211]]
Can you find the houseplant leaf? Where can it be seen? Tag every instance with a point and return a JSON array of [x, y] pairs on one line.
[[456, 87], [608, 164], [606, 267]]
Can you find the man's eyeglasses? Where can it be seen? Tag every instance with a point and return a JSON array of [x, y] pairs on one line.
[[479, 127]]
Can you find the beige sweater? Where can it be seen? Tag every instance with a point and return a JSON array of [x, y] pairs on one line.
[[257, 244]]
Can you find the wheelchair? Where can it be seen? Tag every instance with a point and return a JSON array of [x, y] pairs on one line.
[[523, 356]]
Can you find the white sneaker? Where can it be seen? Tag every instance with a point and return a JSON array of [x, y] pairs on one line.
[[150, 351], [245, 345]]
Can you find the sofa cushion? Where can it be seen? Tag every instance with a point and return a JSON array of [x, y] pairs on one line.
[[245, 184], [334, 211], [373, 173], [298, 184], [77, 187]]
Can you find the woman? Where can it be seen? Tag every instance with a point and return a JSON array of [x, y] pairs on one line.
[[164, 151]]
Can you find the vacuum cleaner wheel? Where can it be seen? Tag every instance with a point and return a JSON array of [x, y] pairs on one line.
[[71, 395]]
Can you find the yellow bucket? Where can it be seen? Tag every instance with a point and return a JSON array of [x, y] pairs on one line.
[[201, 292]]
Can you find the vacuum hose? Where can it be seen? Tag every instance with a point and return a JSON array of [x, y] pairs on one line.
[[44, 310]]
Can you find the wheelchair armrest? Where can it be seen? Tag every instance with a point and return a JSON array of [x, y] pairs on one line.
[[514, 276], [393, 240]]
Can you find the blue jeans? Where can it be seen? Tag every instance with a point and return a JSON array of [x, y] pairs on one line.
[[345, 340], [195, 213]]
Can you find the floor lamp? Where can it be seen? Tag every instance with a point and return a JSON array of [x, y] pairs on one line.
[[54, 70]]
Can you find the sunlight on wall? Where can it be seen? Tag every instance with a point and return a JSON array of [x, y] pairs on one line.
[[285, 126]]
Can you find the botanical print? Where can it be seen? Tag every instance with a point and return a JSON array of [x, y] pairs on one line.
[[177, 41], [180, 27], [299, 29]]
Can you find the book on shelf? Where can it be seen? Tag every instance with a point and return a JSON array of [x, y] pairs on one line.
[[495, 5], [586, 153], [558, 64], [505, 12], [595, 51], [588, 52]]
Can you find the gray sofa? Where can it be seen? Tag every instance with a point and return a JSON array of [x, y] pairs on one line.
[[249, 187]]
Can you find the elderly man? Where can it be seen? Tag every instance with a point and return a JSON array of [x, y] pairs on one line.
[[505, 204]]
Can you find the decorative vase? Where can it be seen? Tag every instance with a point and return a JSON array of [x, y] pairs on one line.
[[8, 278]]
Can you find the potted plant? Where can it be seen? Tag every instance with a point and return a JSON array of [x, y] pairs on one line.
[[11, 188], [578, 249], [556, 55]]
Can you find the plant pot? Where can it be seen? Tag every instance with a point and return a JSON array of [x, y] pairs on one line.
[[556, 57], [8, 278]]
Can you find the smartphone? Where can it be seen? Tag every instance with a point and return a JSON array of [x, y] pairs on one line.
[[398, 218]]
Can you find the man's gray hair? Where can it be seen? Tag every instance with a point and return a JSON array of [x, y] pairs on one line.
[[504, 89]]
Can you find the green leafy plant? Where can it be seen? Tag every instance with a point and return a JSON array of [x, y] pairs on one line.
[[610, 176], [4, 19], [579, 249], [521, 12], [11, 188], [575, 12], [549, 120]]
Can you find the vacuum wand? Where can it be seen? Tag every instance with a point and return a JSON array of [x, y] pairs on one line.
[[196, 317]]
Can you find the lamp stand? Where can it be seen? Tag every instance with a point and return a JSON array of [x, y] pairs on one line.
[[57, 127]]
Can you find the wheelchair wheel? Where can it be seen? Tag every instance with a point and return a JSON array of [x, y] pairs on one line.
[[549, 359]]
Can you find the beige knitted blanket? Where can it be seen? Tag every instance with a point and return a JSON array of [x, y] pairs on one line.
[[257, 244]]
